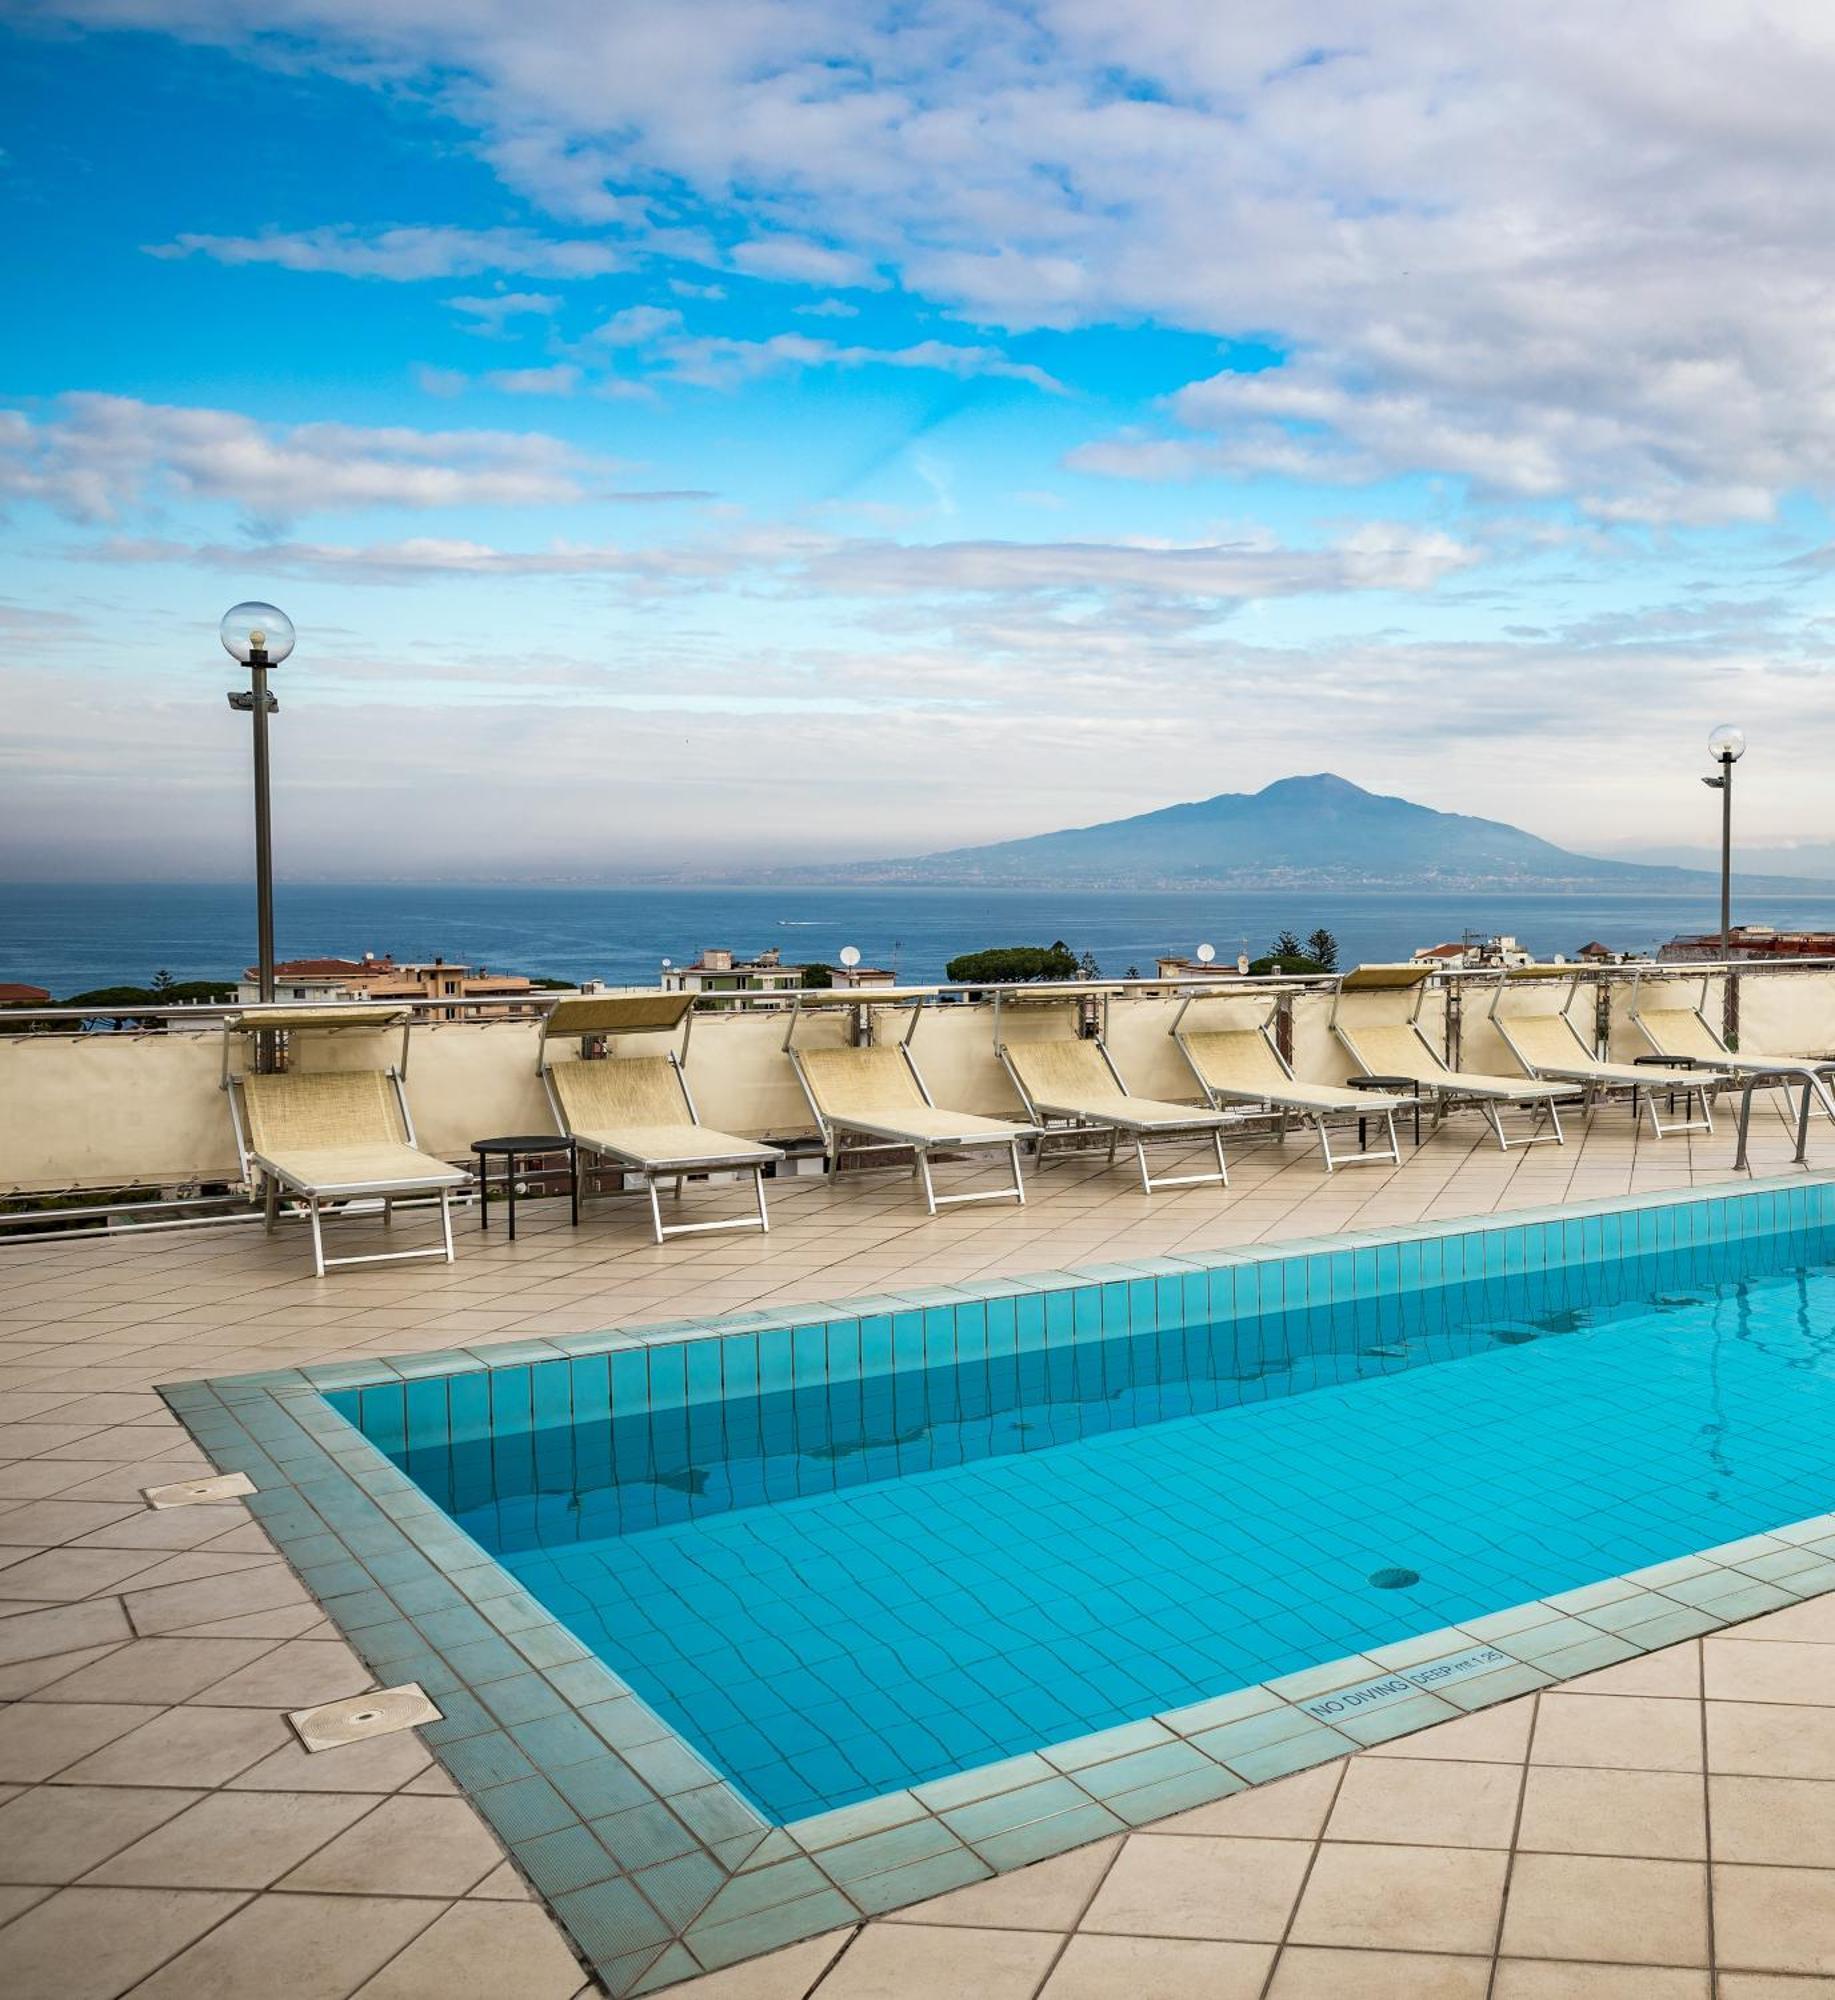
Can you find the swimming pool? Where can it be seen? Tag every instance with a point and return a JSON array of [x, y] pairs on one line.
[[935, 1586]]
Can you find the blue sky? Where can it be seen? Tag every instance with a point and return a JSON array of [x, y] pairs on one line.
[[738, 432]]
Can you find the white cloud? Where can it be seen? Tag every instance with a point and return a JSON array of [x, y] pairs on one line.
[[405, 254], [562, 378], [716, 362], [1562, 251], [636, 326], [828, 309], [95, 457], [489, 314]]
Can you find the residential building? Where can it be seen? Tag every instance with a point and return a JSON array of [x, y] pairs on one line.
[[719, 970], [1750, 941], [385, 978], [1476, 952], [23, 996]]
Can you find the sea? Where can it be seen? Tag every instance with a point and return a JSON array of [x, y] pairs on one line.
[[72, 937]]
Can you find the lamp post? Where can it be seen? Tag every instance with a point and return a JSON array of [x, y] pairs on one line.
[[260, 636], [1726, 745]]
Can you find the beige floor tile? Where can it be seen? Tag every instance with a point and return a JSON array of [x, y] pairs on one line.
[[1422, 1899], [504, 1885], [1100, 1968], [29, 1677], [1773, 1986], [91, 1944], [176, 1607], [300, 1674], [483, 1951], [1497, 1735], [56, 1833], [1771, 1739], [1426, 1802], [1661, 1815], [157, 1670], [305, 1947], [779, 1975], [1215, 1886], [1772, 1919], [1289, 1809], [382, 1765], [1617, 1732], [1769, 1670], [1049, 1896], [1789, 1820], [184, 1746], [1538, 1979], [1674, 1671], [1585, 1906], [405, 1847], [63, 1628], [1308, 1972], [235, 1840], [1814, 1620], [917, 1962], [39, 1739]]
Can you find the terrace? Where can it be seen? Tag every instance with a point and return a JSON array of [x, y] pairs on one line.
[[1650, 1819]]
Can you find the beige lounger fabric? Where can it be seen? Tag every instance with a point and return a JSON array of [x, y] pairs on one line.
[[1237, 1062], [632, 1108], [873, 1090], [1680, 1031], [337, 1132], [1548, 1042], [1071, 1080], [1396, 1050]]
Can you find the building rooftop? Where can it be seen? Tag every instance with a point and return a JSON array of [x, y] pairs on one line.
[[170, 1837]]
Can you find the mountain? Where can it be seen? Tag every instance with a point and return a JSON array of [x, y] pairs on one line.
[[1316, 832]]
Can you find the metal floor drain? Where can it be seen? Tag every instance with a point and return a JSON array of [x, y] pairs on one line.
[[195, 1492], [381, 1712], [1395, 1579]]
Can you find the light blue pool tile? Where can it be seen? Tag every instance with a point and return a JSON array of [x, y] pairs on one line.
[[716, 1945], [716, 1813], [1152, 1766], [848, 1861], [1254, 1732], [1223, 1708], [1121, 1741], [763, 1889], [571, 1858], [1044, 1837], [1591, 1596], [642, 1835], [917, 1880], [1397, 1718], [640, 1974], [1323, 1680], [1315, 1745], [983, 1782], [523, 1809], [610, 1921], [849, 1823], [1604, 1649], [681, 1888], [1198, 1787], [1504, 1685], [1007, 1810]]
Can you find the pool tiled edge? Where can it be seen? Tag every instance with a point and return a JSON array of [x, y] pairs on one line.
[[659, 1869]]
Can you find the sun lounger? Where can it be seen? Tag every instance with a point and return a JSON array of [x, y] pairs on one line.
[[1552, 1049], [332, 1136], [878, 1097], [1398, 1046], [636, 1112], [1075, 1083], [1245, 1066], [1686, 1032]]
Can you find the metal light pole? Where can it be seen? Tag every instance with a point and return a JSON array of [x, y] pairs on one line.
[[1726, 745], [260, 636]]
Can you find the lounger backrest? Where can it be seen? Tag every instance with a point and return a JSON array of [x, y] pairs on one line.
[[857, 1083], [1392, 1049], [620, 1093], [313, 1110], [1679, 1031], [1236, 1059], [1061, 1069], [1547, 1041]]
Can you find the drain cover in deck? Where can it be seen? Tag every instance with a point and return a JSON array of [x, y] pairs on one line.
[[381, 1712], [195, 1492]]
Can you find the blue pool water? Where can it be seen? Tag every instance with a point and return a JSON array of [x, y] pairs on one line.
[[888, 1569]]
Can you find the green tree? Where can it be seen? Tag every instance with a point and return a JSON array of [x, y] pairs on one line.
[[816, 977], [1322, 949], [1286, 946], [1087, 968], [1012, 965], [163, 983]]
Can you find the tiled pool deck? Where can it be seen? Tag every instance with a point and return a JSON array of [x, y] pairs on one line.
[[165, 1837]]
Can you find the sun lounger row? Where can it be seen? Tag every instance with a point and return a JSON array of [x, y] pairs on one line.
[[329, 1136]]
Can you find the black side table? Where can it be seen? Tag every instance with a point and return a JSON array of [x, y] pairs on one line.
[[1663, 1062], [523, 1148], [1399, 1086]]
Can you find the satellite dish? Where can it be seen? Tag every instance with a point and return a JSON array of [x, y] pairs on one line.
[[667, 963], [850, 956], [1206, 952]]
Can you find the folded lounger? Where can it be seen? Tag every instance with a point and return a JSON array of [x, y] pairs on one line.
[[1399, 1047], [1245, 1066], [878, 1096], [636, 1112], [1552, 1049], [1075, 1082], [1686, 1031], [332, 1135]]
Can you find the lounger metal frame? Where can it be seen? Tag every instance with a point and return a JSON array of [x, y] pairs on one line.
[[1585, 1069], [880, 1140], [1778, 1074], [1070, 1127], [255, 1168], [1307, 1114], [648, 1174], [1438, 1078]]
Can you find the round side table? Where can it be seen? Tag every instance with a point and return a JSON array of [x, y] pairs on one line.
[[1398, 1086], [512, 1150]]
